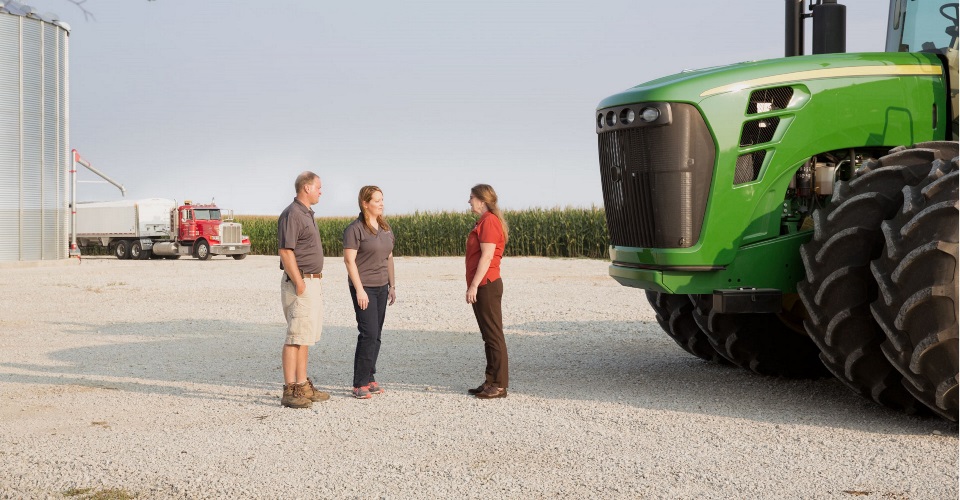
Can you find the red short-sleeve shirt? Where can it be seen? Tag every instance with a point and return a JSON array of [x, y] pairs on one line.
[[487, 230]]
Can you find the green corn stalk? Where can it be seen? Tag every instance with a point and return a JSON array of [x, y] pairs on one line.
[[555, 232]]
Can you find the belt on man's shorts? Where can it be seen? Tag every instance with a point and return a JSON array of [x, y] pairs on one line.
[[305, 275]]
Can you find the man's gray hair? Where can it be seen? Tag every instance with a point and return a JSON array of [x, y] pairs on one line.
[[304, 179]]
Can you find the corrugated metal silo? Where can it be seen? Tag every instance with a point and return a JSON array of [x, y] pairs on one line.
[[34, 135]]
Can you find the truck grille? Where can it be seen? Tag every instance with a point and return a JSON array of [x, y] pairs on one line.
[[230, 233], [656, 180]]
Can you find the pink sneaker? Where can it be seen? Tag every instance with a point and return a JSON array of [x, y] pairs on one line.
[[375, 388], [362, 392]]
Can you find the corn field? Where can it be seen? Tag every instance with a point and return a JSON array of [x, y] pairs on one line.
[[570, 232]]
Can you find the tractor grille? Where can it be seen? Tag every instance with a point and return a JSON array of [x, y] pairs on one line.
[[773, 99], [758, 131], [230, 233], [656, 180], [748, 167]]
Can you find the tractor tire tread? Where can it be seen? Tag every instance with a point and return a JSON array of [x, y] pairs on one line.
[[838, 285], [675, 316], [917, 304], [761, 343]]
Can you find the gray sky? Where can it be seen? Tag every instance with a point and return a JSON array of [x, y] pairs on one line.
[[231, 99]]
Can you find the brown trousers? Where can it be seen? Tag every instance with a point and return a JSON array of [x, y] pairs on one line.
[[490, 321]]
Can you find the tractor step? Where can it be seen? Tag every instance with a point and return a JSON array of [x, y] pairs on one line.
[[748, 300]]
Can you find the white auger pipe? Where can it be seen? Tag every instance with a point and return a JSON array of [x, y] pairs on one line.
[[74, 250]]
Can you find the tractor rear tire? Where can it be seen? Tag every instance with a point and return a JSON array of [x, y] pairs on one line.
[[675, 315], [917, 278], [761, 342], [838, 286]]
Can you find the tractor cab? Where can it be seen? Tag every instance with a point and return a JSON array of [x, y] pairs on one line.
[[922, 26], [925, 26]]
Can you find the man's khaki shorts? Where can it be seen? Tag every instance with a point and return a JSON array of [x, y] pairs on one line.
[[304, 313]]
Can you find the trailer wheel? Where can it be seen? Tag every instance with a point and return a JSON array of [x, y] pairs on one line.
[[239, 256], [202, 250], [917, 306], [764, 343], [136, 250], [838, 286], [121, 249], [675, 315]]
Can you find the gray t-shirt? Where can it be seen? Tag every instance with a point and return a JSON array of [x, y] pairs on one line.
[[297, 230], [372, 251]]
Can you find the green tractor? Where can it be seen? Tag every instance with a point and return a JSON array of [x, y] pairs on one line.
[[799, 216]]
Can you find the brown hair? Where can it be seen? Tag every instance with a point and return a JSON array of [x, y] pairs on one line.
[[366, 194], [486, 194], [303, 179]]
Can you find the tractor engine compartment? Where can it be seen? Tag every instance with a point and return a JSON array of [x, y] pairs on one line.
[[812, 185]]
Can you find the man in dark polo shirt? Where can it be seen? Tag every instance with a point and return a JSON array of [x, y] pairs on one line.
[[301, 259]]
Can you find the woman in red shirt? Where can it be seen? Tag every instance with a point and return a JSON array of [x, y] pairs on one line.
[[485, 288]]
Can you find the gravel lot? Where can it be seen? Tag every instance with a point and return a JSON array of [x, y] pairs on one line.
[[162, 379]]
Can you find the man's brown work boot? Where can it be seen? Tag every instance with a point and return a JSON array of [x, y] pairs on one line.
[[313, 394], [294, 396]]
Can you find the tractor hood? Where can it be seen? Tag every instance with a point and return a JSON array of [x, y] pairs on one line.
[[693, 86]]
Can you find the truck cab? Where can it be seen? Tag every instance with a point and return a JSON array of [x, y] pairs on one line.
[[208, 232]]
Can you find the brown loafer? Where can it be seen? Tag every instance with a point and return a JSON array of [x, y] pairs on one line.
[[492, 392], [478, 390]]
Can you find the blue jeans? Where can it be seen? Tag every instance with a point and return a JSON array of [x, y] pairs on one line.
[[370, 325]]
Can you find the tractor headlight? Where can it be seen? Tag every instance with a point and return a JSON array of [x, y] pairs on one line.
[[649, 114], [641, 114]]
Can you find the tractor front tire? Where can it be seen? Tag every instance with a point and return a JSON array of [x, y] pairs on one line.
[[917, 306], [675, 315], [838, 287], [761, 342]]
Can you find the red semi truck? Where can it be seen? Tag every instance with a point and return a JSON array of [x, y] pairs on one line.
[[159, 228]]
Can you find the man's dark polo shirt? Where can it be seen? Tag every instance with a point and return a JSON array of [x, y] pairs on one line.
[[297, 230]]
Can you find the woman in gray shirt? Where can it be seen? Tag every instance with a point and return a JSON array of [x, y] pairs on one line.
[[368, 255]]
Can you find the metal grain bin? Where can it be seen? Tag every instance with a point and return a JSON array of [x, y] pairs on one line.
[[34, 135]]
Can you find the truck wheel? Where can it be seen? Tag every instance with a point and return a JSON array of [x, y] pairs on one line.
[[838, 286], [675, 315], [202, 250], [239, 256], [917, 278], [136, 250], [762, 342], [121, 249]]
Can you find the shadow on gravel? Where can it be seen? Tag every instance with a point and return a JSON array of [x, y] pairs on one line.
[[162, 358], [626, 363]]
